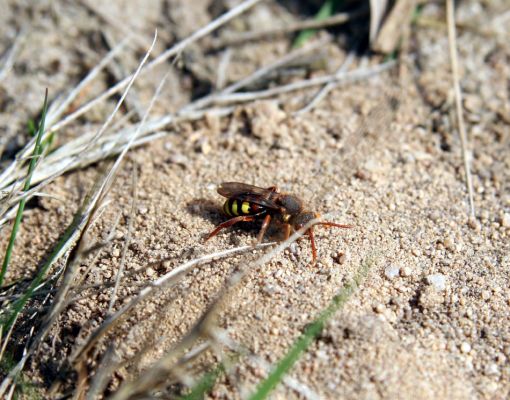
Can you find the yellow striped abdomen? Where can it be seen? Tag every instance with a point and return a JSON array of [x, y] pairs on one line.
[[234, 208]]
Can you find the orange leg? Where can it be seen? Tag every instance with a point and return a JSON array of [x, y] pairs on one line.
[[332, 224], [263, 229], [312, 242], [286, 233], [230, 222]]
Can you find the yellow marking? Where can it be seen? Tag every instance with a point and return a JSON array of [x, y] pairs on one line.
[[226, 210], [245, 207], [234, 207]]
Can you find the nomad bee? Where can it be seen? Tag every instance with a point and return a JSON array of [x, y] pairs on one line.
[[247, 203]]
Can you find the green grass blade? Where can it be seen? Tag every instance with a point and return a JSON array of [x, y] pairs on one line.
[[325, 11], [21, 207], [18, 305], [308, 336]]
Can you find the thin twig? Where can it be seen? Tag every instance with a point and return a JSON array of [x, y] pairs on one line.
[[255, 76], [79, 225], [458, 103], [328, 87], [204, 328], [126, 242], [159, 283], [239, 38], [93, 73], [173, 51], [11, 55], [302, 84]]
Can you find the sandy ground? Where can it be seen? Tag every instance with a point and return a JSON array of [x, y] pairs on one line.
[[431, 319]]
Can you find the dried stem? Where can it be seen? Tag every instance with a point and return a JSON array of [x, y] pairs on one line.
[[458, 103]]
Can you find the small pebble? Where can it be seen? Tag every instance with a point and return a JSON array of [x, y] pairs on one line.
[[150, 271], [491, 369], [505, 220], [449, 243], [435, 215], [416, 252], [406, 271], [391, 271], [486, 295], [379, 309], [465, 347], [293, 248], [474, 224], [438, 281]]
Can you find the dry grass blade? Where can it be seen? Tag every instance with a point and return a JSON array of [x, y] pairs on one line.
[[255, 76], [126, 242], [72, 159], [159, 283], [352, 76], [336, 19], [377, 11], [458, 103], [173, 51], [394, 27], [80, 223], [169, 364], [328, 87], [93, 73], [12, 171], [8, 60]]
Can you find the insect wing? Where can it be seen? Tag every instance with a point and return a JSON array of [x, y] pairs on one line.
[[235, 189], [259, 200]]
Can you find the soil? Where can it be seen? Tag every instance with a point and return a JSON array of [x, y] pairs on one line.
[[430, 320]]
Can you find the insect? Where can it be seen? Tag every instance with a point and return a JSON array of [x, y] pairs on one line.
[[247, 203]]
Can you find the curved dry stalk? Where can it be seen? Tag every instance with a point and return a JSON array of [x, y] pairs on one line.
[[161, 282], [8, 174], [69, 156], [239, 38], [458, 103], [329, 86], [77, 229], [120, 271], [352, 76], [255, 76], [204, 328], [173, 51]]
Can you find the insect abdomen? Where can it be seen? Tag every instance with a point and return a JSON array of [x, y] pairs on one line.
[[234, 208]]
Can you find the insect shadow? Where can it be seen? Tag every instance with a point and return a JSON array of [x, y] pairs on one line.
[[212, 212]]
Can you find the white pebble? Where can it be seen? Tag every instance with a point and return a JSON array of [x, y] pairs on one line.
[[465, 347], [391, 271], [491, 369], [438, 281], [406, 271]]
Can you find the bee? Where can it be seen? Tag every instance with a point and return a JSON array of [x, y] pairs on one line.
[[246, 203]]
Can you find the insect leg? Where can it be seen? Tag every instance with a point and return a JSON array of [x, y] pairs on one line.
[[230, 222], [312, 242], [286, 232], [263, 229], [332, 224]]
